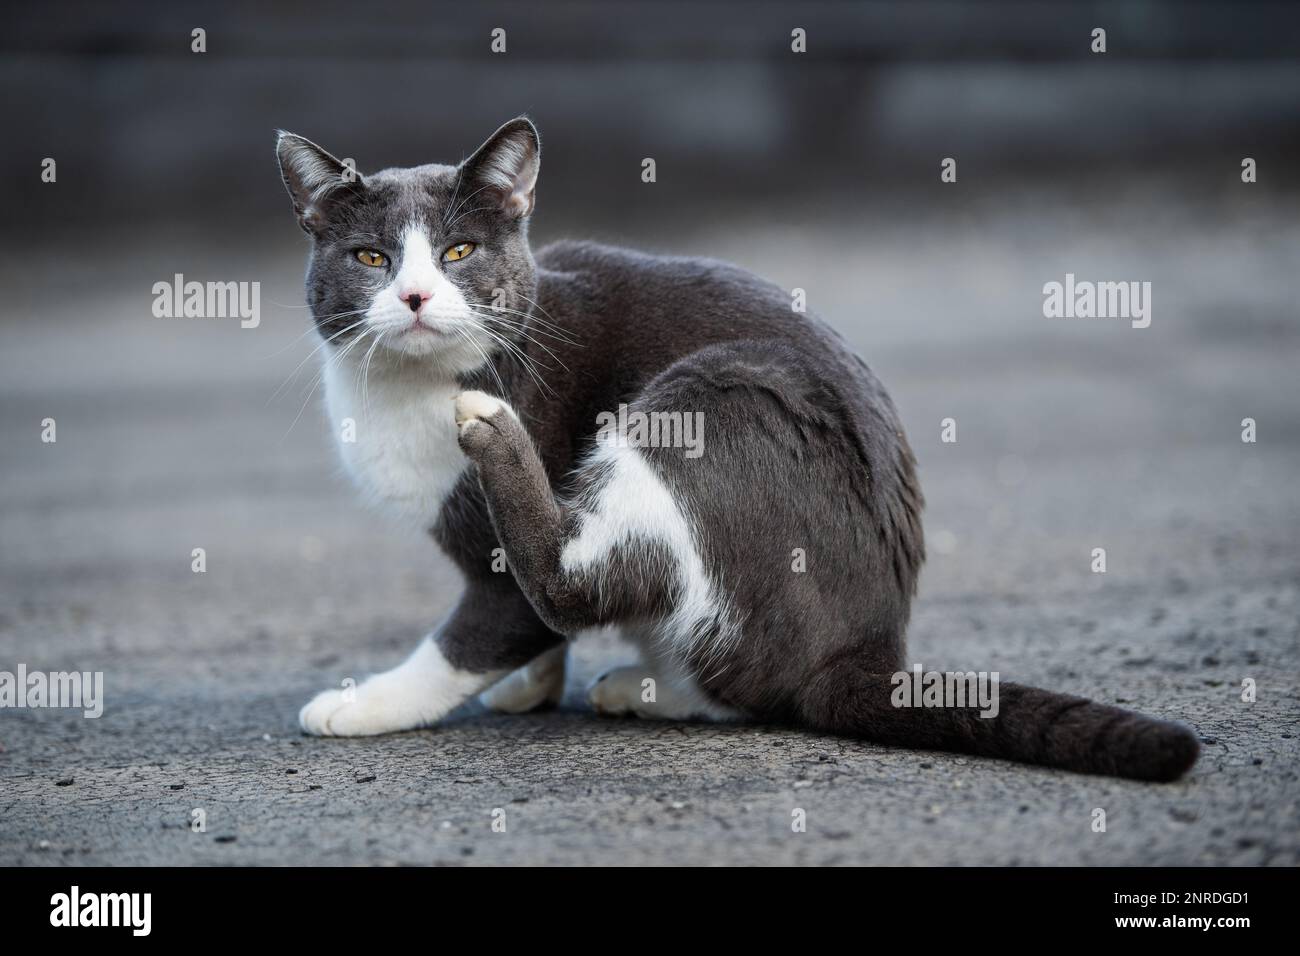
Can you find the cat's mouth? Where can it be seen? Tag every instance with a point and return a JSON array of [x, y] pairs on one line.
[[430, 335], [421, 337], [419, 328]]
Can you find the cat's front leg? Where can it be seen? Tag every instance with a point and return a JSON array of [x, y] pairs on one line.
[[420, 691], [491, 632], [525, 513], [529, 521]]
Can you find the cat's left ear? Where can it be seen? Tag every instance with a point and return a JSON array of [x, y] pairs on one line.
[[506, 166], [315, 179]]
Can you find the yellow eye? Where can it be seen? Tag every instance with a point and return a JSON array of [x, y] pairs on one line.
[[370, 257], [459, 251]]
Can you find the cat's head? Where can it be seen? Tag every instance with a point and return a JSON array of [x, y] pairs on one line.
[[431, 261]]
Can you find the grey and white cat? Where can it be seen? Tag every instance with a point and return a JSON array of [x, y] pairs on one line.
[[477, 375]]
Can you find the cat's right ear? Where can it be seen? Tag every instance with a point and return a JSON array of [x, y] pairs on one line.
[[314, 178], [506, 166]]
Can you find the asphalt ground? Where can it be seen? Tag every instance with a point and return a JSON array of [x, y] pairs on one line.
[[1072, 435]]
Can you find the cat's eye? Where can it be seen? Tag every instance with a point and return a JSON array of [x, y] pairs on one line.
[[369, 257], [459, 251]]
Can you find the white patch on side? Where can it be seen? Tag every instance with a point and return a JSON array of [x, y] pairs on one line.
[[635, 506], [416, 693], [406, 456]]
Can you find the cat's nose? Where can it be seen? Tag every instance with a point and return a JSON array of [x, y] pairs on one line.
[[415, 300]]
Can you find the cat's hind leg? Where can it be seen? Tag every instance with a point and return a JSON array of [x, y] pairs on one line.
[[646, 692], [539, 683]]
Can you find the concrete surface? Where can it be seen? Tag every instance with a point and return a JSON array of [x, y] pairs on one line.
[[1072, 435]]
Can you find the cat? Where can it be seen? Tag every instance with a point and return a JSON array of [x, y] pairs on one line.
[[476, 375]]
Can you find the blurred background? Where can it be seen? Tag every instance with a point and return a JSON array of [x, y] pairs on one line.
[[818, 170]]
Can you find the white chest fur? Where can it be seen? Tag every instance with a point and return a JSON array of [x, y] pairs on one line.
[[402, 449]]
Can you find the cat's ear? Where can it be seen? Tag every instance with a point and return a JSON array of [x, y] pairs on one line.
[[506, 166], [314, 178]]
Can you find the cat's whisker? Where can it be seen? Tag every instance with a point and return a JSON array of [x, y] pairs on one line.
[[452, 225], [365, 373], [313, 328], [487, 359], [536, 306], [455, 191], [317, 380], [462, 203], [529, 365], [460, 175], [505, 347], [510, 346], [307, 358], [541, 328], [336, 359], [535, 324], [549, 322], [521, 331], [523, 328]]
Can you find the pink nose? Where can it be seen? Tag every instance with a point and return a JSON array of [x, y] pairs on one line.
[[415, 299]]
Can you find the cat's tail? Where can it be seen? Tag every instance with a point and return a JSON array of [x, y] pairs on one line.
[[1030, 725]]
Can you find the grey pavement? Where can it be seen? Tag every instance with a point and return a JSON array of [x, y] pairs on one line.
[[1072, 434]]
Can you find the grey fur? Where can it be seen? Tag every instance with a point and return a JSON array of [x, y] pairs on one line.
[[805, 450]]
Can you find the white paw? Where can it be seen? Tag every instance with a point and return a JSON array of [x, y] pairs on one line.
[[538, 683], [619, 691], [472, 407], [350, 712], [418, 692], [314, 718]]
